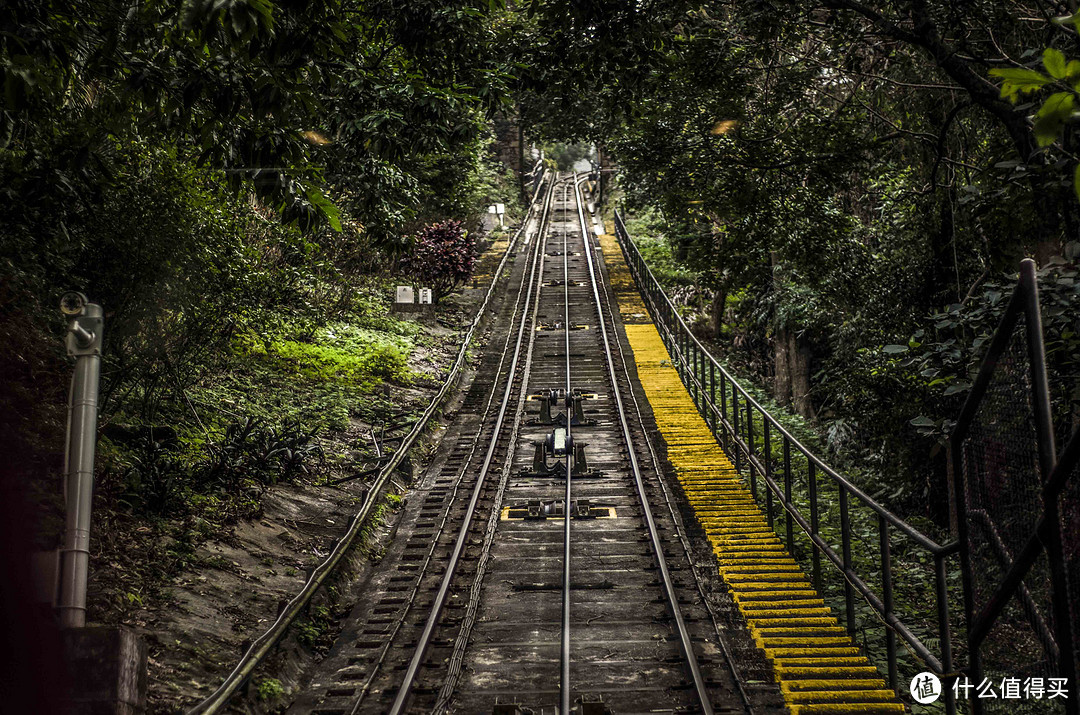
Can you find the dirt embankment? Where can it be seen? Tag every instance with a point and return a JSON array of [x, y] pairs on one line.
[[201, 588]]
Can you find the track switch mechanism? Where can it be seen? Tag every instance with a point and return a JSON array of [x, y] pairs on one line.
[[572, 403], [549, 453], [538, 510]]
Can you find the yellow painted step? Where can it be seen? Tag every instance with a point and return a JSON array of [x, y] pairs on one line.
[[810, 630], [795, 686], [847, 709], [840, 696], [765, 644], [749, 606], [786, 576], [826, 661], [762, 624], [786, 613], [787, 652], [773, 594], [819, 668], [805, 672]]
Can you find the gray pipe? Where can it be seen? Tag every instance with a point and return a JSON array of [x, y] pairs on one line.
[[84, 344]]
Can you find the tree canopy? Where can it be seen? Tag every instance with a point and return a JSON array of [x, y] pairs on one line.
[[837, 174]]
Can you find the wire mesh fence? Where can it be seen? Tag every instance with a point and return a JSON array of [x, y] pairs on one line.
[[1018, 532]]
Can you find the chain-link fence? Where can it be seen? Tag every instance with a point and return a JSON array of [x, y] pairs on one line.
[[1003, 450]]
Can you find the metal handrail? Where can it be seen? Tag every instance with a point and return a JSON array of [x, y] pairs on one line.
[[263, 646], [734, 428]]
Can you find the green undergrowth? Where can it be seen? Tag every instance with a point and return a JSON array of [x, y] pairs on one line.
[[648, 231], [277, 405]]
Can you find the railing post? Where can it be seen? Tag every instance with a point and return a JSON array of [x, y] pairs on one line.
[[887, 598], [1044, 428], [702, 386], [766, 438], [682, 355], [735, 425], [696, 351], [84, 341], [712, 397], [787, 496], [845, 538], [723, 414], [945, 630], [815, 555], [750, 448]]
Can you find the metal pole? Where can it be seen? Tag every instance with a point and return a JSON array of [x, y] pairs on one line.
[[84, 344], [815, 553]]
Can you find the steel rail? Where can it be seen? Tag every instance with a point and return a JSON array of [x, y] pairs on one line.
[[669, 587], [457, 658], [520, 306], [459, 545], [264, 644], [725, 647], [564, 647]]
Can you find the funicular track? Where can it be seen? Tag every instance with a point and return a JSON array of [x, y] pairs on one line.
[[495, 600]]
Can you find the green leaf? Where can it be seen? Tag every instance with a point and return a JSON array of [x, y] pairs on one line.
[[1054, 62], [959, 386], [894, 349], [1052, 116], [922, 421], [329, 211], [1019, 80]]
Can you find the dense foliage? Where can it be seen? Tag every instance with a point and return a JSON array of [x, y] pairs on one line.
[[838, 191], [850, 182], [442, 257], [235, 183]]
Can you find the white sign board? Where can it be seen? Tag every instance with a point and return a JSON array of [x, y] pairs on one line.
[[425, 296], [405, 295], [499, 209]]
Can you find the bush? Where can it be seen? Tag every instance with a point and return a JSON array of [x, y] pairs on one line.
[[387, 362], [157, 481], [442, 257], [270, 689]]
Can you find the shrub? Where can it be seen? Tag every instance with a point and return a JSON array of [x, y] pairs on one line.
[[442, 257], [270, 689], [387, 362]]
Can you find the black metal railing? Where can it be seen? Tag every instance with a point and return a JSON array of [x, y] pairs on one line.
[[1017, 512], [798, 489]]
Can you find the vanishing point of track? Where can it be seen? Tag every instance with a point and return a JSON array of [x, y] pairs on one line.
[[496, 600]]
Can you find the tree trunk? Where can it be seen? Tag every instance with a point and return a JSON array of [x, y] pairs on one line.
[[716, 313], [799, 356], [782, 378]]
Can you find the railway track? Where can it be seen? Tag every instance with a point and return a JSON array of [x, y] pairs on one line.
[[494, 600]]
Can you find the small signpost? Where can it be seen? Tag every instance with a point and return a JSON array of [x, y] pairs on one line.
[[408, 301], [498, 210]]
